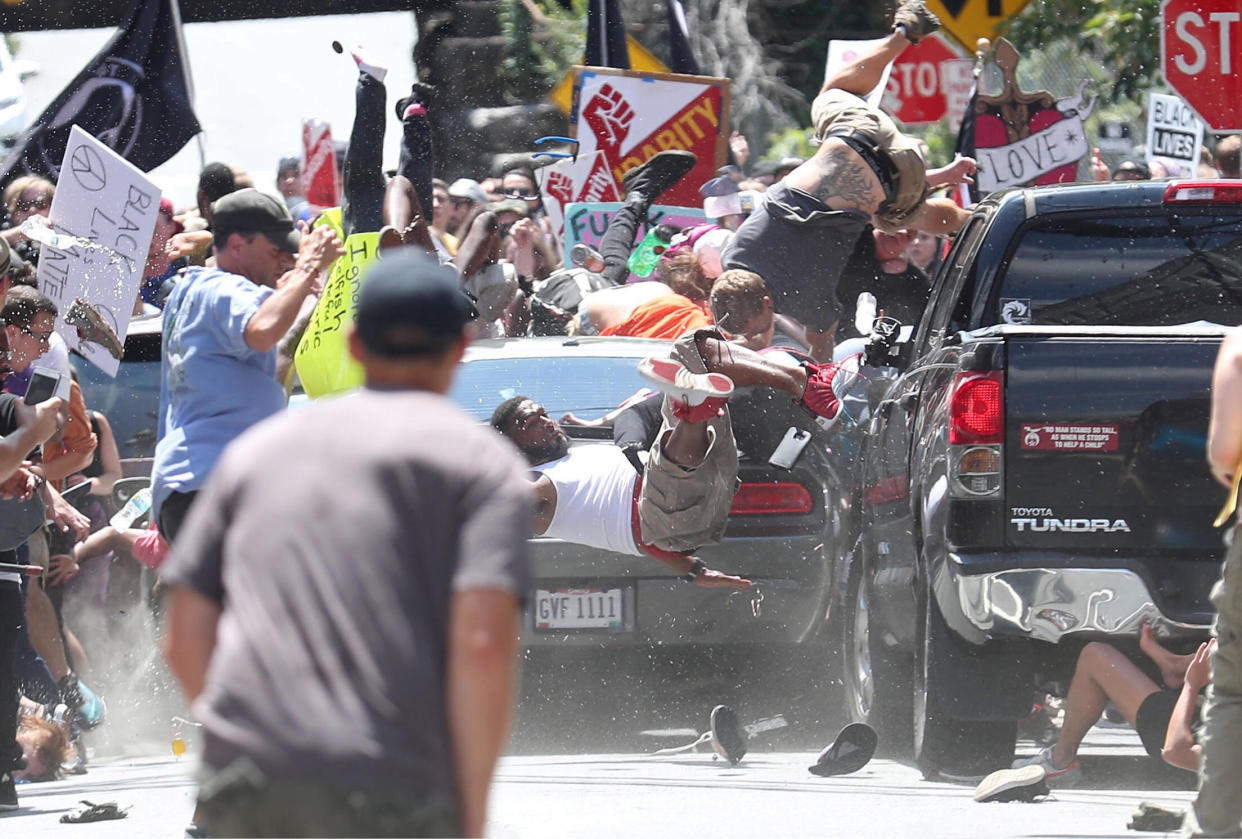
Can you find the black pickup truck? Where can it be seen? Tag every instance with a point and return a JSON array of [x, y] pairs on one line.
[[1033, 476]]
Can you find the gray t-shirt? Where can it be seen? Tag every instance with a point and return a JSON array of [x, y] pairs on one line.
[[334, 538]]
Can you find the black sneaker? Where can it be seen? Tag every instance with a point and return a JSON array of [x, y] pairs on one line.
[[87, 708], [915, 20], [660, 172], [421, 93], [8, 792], [1022, 784], [851, 751], [728, 739]]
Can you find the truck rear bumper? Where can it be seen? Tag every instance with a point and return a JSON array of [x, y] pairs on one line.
[[1049, 603]]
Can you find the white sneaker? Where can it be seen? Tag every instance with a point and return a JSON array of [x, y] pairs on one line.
[[1021, 784], [368, 64], [680, 385], [1054, 775]]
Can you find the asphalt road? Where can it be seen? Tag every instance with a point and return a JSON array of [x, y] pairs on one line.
[[623, 795]]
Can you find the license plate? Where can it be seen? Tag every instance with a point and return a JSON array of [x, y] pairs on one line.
[[580, 608]]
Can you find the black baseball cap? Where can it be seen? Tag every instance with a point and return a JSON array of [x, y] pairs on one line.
[[251, 211], [410, 305]]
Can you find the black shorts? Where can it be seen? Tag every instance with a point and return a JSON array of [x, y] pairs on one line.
[[1152, 720]]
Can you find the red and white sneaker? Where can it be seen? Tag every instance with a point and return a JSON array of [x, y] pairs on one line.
[[691, 394], [820, 397]]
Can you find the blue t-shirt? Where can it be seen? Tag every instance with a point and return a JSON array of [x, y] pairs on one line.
[[213, 386]]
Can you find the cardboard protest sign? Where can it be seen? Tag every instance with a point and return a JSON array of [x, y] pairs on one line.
[[103, 198], [319, 174], [322, 358], [1174, 135], [841, 53], [587, 179], [587, 222], [630, 116], [1044, 147]]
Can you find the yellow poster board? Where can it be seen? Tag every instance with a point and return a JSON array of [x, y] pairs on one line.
[[322, 358]]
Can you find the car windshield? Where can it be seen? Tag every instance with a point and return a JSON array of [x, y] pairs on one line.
[[589, 386], [130, 401], [1135, 271]]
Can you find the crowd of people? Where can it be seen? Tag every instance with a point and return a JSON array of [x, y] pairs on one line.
[[390, 590]]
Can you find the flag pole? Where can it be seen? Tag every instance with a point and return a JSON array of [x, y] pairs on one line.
[[175, 5]]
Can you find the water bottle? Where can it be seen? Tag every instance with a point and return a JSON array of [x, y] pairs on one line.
[[645, 257], [137, 506], [585, 256]]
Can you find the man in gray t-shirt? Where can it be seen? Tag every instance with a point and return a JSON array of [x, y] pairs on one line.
[[346, 593]]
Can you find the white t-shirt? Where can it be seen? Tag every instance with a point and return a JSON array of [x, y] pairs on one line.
[[594, 498]]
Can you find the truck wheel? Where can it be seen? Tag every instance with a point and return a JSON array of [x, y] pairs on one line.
[[944, 744], [877, 678]]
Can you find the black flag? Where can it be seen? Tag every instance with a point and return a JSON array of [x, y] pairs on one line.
[[680, 56], [606, 46], [132, 97], [967, 194]]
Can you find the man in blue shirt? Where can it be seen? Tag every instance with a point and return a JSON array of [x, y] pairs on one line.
[[221, 329]]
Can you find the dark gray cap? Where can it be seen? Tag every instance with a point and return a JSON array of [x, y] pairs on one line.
[[409, 305], [251, 211]]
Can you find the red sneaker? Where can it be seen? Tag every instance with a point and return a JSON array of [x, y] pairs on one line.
[[819, 397]]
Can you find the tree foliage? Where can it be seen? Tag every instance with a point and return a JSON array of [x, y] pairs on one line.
[[1123, 36]]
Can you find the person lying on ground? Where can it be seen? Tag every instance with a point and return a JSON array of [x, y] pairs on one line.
[[679, 502], [1164, 717]]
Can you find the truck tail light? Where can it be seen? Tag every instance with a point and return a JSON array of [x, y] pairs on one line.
[[771, 499], [977, 408], [1204, 192]]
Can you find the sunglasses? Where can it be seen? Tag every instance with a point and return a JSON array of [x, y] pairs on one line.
[[40, 203], [520, 195], [41, 337]]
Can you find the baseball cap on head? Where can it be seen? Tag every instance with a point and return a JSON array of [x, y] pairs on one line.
[[410, 305], [468, 188], [251, 211]]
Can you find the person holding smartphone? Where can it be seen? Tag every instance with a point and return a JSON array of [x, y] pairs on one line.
[[22, 428]]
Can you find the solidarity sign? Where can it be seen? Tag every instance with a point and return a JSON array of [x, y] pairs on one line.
[[630, 116]]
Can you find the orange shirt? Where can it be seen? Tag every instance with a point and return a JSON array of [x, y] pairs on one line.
[[665, 317]]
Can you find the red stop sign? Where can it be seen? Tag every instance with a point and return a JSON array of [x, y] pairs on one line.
[[1201, 53], [915, 90]]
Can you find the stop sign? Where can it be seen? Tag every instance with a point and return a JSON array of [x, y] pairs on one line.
[[1201, 53], [915, 91]]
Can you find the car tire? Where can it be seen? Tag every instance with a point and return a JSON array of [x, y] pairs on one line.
[[876, 677], [945, 745]]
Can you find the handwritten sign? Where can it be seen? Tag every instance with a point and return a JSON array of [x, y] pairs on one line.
[[587, 222], [104, 198], [322, 358], [630, 116], [1092, 438]]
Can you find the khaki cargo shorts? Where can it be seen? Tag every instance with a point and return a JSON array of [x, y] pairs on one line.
[[683, 508], [836, 111]]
